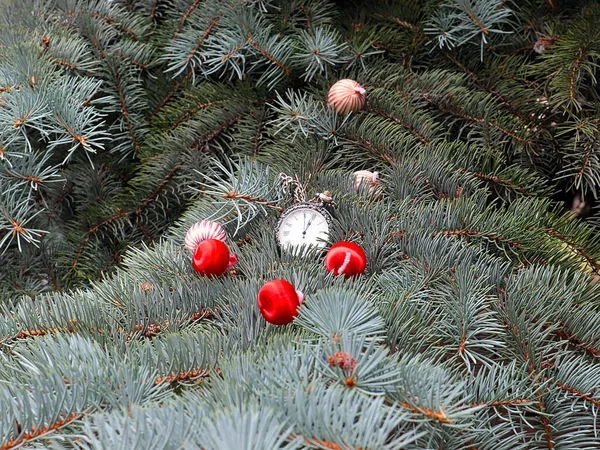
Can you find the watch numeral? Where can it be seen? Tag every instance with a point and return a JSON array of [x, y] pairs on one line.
[[286, 233], [288, 224]]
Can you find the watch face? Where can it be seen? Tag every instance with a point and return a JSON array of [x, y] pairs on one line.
[[303, 224]]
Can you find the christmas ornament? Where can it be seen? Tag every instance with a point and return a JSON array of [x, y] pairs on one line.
[[201, 231], [346, 258], [306, 223], [211, 257], [146, 287], [278, 302], [366, 177], [346, 96], [542, 44]]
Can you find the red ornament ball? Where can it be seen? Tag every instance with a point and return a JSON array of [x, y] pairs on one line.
[[346, 258], [278, 302], [346, 96], [211, 257]]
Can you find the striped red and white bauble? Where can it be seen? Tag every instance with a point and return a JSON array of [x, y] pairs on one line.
[[346, 96], [203, 230]]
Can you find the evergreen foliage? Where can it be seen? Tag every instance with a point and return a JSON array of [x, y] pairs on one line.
[[122, 123]]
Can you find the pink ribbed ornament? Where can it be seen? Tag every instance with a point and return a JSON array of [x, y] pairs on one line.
[[370, 179], [346, 96], [201, 231]]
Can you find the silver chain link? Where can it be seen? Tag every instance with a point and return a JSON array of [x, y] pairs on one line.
[[299, 191], [293, 184]]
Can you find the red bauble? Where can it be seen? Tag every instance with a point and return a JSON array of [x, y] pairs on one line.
[[211, 257], [278, 302], [346, 258]]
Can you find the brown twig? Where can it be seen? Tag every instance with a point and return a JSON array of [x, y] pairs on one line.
[[190, 10], [578, 393], [117, 25], [125, 111], [234, 195], [37, 432], [495, 179], [475, 21], [76, 137], [198, 107], [157, 189], [407, 127], [202, 39], [574, 340], [438, 416], [266, 54], [169, 95], [184, 376], [119, 215], [466, 233], [584, 254], [497, 403]]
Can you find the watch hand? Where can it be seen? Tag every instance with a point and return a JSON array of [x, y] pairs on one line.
[[309, 222]]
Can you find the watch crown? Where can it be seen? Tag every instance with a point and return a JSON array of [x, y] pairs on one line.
[[325, 196]]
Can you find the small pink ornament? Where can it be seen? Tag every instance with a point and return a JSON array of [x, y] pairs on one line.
[[367, 178], [201, 231], [346, 96]]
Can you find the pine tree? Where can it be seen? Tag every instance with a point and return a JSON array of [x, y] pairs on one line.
[[123, 123]]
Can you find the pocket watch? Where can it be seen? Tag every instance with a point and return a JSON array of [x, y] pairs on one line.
[[305, 224]]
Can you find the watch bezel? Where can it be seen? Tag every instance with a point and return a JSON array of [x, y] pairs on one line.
[[303, 205]]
